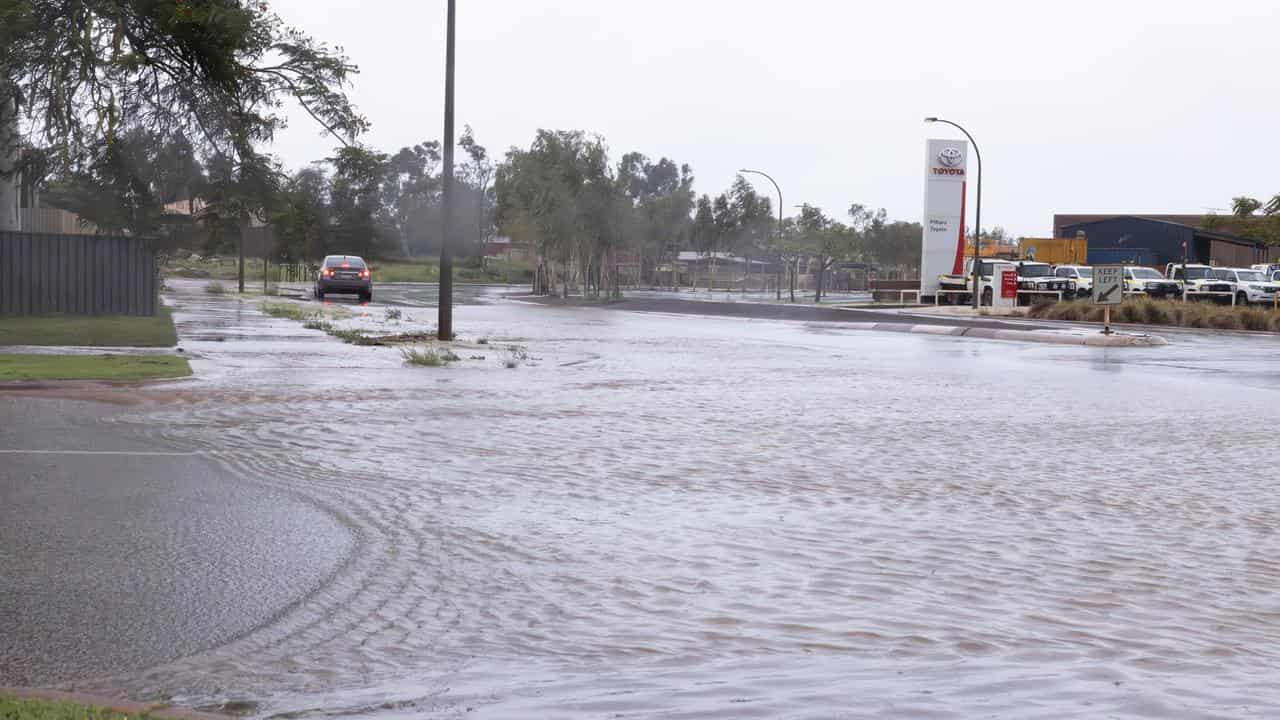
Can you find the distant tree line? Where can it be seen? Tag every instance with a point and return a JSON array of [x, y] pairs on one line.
[[1251, 218], [124, 111], [579, 212]]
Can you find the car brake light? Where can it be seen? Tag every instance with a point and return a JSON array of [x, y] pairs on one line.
[[346, 265], [364, 273], [328, 272]]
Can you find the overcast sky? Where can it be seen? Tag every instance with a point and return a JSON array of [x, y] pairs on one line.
[[1124, 105]]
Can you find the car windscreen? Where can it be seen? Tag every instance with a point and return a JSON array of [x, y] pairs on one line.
[[1223, 275], [350, 262], [1085, 272], [1035, 271], [1251, 276], [1146, 274], [1195, 273]]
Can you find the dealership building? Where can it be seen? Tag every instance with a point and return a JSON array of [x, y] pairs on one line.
[[1155, 240]]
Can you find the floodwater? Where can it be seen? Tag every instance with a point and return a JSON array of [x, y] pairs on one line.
[[678, 516]]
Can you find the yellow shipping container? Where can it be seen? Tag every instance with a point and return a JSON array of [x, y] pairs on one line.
[[1055, 251]]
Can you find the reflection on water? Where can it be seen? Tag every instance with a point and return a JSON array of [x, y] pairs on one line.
[[675, 516]]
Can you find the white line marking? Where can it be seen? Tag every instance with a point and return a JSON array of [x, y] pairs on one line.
[[98, 452]]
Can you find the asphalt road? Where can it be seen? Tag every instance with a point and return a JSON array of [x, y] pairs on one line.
[[119, 552]]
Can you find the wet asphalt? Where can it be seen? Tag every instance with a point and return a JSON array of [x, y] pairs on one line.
[[673, 512], [119, 551]]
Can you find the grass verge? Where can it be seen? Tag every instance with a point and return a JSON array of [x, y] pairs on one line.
[[89, 330], [30, 368], [21, 709], [428, 270], [1146, 311]]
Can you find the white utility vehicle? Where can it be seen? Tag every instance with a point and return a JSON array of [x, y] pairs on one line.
[[1145, 281], [1081, 274], [1199, 281], [1250, 286]]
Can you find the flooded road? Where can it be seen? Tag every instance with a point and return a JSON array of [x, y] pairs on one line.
[[675, 516]]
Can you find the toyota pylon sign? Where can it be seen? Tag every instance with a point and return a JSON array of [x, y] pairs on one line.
[[946, 179]]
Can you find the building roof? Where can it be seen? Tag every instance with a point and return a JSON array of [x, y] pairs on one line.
[[1197, 229], [1062, 220]]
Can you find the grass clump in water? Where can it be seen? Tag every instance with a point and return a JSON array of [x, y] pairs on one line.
[[292, 311], [353, 337], [215, 288], [318, 324], [429, 357]]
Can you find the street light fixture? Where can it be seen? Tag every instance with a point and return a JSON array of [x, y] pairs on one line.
[[977, 215], [775, 187]]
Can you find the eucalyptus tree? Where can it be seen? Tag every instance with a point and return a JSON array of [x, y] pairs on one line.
[[78, 73]]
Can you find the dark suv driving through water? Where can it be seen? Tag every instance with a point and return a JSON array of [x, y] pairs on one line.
[[344, 274]]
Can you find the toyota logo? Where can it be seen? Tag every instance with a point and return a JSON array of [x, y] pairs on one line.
[[950, 157]]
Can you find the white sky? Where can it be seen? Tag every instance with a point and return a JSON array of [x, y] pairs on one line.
[[1123, 105]]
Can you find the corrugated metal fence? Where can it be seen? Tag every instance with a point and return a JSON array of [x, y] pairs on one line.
[[76, 274]]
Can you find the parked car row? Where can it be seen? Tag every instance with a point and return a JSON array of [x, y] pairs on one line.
[[1257, 284], [1034, 278]]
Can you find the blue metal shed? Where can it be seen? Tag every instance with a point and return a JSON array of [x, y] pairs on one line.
[[1135, 240]]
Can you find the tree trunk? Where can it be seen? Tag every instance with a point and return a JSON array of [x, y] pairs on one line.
[[244, 230], [793, 267], [404, 243], [9, 220], [822, 271]]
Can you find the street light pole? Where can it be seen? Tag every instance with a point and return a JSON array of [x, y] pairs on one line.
[[444, 324], [775, 187], [977, 214]]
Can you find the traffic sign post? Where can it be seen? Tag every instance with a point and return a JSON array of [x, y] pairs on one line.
[[1108, 290]]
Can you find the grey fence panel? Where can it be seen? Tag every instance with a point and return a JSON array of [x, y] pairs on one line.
[[80, 274]]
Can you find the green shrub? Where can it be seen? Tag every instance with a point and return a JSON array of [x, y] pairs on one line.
[[1149, 311]]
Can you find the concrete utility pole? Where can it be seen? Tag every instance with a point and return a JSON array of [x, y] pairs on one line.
[[444, 324], [977, 213]]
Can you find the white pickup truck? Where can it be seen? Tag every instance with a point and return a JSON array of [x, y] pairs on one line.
[[1199, 281], [958, 288], [1145, 281], [1081, 274], [1034, 279]]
